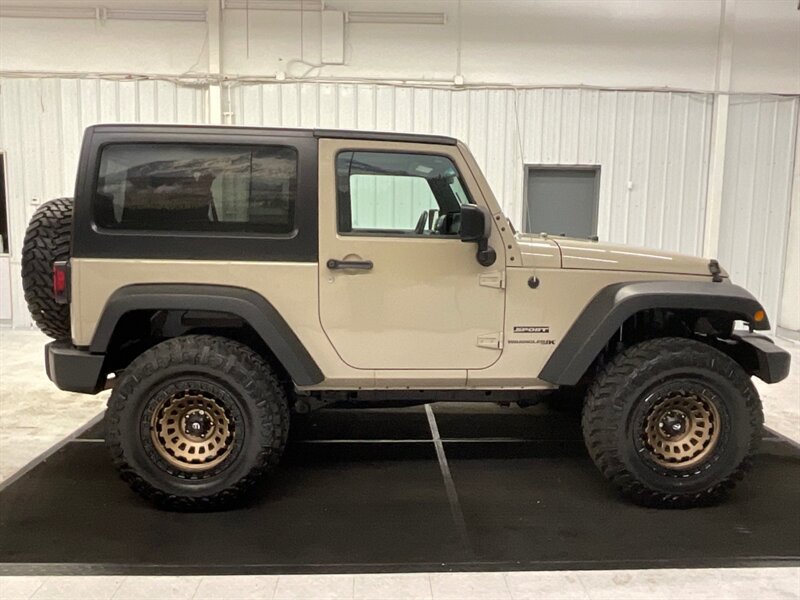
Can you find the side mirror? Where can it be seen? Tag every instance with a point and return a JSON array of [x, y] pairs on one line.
[[476, 226]]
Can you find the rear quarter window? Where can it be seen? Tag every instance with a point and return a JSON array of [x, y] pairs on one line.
[[197, 187]]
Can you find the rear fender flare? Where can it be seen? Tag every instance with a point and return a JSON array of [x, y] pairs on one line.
[[246, 304]]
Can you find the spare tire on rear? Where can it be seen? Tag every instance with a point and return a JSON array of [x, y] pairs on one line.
[[47, 240]]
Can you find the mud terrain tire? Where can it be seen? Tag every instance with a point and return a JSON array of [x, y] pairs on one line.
[[47, 239], [672, 423], [225, 375]]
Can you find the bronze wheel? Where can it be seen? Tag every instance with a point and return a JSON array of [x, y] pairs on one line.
[[195, 421], [681, 429], [672, 422], [192, 431]]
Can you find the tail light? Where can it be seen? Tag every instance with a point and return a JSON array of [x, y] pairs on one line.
[[61, 281]]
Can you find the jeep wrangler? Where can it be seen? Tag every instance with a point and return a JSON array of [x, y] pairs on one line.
[[216, 277]]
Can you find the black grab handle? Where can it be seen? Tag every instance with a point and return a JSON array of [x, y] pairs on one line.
[[364, 265]]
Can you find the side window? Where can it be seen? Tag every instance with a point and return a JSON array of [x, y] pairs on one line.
[[197, 187], [393, 193]]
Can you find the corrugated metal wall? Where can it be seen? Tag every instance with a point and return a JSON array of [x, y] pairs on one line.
[[41, 128], [757, 188], [652, 147]]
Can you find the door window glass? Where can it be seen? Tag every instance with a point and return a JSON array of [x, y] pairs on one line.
[[393, 193]]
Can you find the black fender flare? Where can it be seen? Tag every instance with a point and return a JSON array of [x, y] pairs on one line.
[[614, 304], [246, 304]]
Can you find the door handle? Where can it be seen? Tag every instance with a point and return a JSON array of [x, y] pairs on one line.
[[364, 265]]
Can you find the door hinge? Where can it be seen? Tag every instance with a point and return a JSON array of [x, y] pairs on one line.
[[491, 340], [494, 279]]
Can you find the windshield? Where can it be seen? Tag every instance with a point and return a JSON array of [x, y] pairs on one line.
[[457, 188]]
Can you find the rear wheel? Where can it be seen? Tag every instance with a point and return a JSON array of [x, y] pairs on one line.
[[47, 240], [672, 422], [194, 422]]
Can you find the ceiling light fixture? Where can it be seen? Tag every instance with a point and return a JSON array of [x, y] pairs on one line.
[[396, 18], [136, 14], [100, 13], [272, 4], [48, 12]]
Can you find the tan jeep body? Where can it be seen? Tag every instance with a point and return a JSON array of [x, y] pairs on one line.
[[427, 316], [218, 277]]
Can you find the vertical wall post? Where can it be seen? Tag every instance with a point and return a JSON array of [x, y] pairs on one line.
[[719, 135], [215, 61], [789, 316]]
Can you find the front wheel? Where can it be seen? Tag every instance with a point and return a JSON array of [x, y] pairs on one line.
[[672, 423], [195, 420]]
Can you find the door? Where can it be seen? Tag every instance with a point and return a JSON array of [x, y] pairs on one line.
[[398, 288], [5, 263], [562, 200]]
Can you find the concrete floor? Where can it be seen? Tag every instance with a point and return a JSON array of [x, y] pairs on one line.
[[666, 584], [34, 415]]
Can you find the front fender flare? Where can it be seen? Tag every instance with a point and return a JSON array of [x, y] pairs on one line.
[[614, 304]]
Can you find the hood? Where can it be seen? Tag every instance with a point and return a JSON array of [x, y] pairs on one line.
[[573, 253], [586, 254], [538, 251]]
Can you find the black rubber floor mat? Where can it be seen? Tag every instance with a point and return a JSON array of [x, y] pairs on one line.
[[363, 491]]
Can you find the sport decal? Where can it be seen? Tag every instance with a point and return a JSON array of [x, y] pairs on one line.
[[531, 329]]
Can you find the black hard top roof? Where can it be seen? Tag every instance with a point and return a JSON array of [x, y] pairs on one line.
[[350, 134]]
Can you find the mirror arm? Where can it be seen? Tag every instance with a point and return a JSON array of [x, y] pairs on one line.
[[486, 255]]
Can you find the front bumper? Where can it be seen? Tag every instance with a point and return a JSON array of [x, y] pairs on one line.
[[74, 370], [766, 360]]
